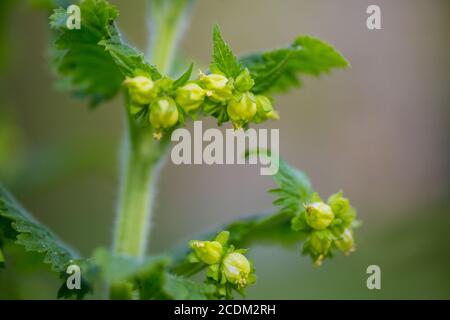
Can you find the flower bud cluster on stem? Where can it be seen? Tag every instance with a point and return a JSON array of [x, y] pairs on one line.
[[165, 103], [227, 268], [329, 226]]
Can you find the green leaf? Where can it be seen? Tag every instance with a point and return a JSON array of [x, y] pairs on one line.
[[299, 223], [93, 61], [85, 67], [181, 81], [294, 188], [223, 60], [280, 69], [223, 237], [270, 71], [130, 61], [18, 226]]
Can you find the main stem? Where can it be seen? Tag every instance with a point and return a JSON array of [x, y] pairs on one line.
[[142, 156]]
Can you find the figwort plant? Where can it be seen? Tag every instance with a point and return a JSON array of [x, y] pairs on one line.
[[94, 62]]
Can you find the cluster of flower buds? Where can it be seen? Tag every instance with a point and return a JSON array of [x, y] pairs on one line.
[[162, 101], [228, 268], [235, 96], [329, 226], [153, 100]]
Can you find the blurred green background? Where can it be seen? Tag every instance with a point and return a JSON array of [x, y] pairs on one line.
[[379, 130]]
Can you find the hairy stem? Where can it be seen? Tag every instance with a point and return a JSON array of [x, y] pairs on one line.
[[142, 156]]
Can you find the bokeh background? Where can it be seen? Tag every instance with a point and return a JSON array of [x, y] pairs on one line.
[[379, 130]]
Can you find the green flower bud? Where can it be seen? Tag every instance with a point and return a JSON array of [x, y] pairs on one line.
[[163, 113], [241, 109], [218, 87], [141, 89], [190, 96], [244, 81], [338, 203], [163, 85], [209, 252], [345, 243], [319, 215], [237, 269], [319, 244], [264, 109]]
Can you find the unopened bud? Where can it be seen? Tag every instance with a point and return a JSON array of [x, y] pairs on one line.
[[244, 81], [319, 215], [163, 85], [241, 109], [237, 269], [345, 243], [209, 252], [218, 87], [141, 89], [163, 113], [338, 203], [190, 96], [264, 109], [320, 243]]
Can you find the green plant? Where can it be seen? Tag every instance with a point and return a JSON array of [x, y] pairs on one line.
[[95, 63]]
